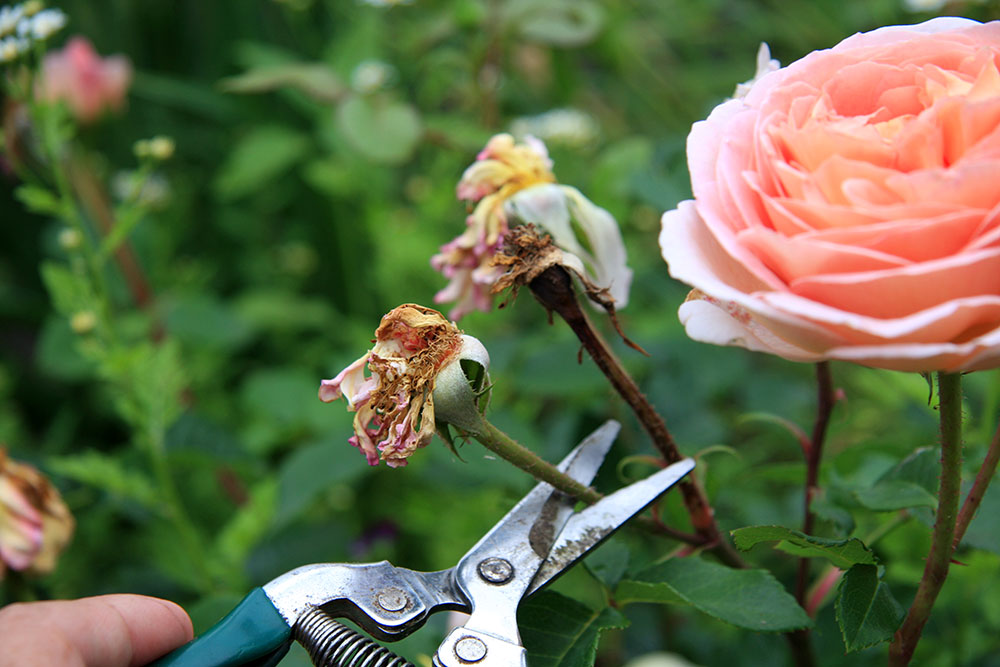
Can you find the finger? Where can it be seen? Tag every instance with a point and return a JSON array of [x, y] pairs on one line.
[[105, 631]]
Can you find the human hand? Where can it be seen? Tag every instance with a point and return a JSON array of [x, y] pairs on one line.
[[104, 631]]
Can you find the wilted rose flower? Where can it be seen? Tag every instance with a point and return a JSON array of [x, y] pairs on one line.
[[35, 525], [847, 207], [83, 80], [515, 180], [416, 349]]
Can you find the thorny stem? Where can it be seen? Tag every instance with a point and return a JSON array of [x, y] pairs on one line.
[[554, 289], [978, 490], [814, 455], [802, 644], [942, 538]]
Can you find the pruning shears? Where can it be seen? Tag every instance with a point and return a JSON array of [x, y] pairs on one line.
[[536, 541]]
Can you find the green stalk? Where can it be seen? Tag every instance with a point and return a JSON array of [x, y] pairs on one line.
[[936, 568], [512, 451]]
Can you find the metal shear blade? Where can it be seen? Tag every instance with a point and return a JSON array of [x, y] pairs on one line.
[[538, 540]]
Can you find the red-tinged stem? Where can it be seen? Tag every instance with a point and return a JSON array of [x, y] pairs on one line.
[[814, 455], [978, 490], [942, 538], [554, 289]]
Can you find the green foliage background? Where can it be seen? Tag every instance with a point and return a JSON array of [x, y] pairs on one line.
[[299, 214]]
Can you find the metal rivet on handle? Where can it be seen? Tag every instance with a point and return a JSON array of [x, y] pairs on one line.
[[496, 570], [470, 649], [392, 599]]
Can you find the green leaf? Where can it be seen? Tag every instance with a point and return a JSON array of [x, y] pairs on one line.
[[260, 156], [314, 79], [922, 467], [866, 611], [68, 291], [566, 23], [58, 351], [247, 527], [841, 553], [609, 563], [558, 631], [383, 131], [204, 320], [751, 599], [309, 472], [984, 531], [107, 474], [894, 495], [39, 200]]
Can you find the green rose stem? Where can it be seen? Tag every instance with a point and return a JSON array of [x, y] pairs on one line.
[[978, 490], [513, 452], [554, 289], [943, 537]]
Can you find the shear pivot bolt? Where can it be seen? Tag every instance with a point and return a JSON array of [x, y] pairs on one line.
[[392, 599], [496, 570], [470, 649]]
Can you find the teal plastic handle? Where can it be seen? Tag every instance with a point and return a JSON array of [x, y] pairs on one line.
[[252, 634]]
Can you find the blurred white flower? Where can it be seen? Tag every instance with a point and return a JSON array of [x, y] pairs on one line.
[[42, 25], [661, 659], [570, 127], [371, 75], [385, 3], [152, 192], [10, 17], [12, 47]]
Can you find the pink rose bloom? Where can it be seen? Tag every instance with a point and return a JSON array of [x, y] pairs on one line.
[[35, 525], [87, 83], [847, 206]]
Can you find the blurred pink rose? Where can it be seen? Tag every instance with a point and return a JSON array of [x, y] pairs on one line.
[[848, 207], [35, 525], [88, 83]]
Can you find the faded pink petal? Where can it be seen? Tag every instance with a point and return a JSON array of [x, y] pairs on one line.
[[35, 524], [88, 83], [846, 206]]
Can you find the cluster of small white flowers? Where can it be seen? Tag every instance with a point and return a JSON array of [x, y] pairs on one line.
[[569, 127], [371, 75], [25, 23]]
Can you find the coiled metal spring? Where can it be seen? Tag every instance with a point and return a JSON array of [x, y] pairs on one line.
[[331, 644]]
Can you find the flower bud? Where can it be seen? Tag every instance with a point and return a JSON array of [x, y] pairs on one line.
[[70, 239], [83, 322], [161, 148]]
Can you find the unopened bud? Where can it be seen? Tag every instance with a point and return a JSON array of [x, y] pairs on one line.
[[83, 322], [161, 148], [70, 239], [141, 148]]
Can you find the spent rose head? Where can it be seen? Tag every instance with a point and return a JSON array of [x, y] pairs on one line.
[[416, 350], [846, 207], [35, 525], [512, 181]]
